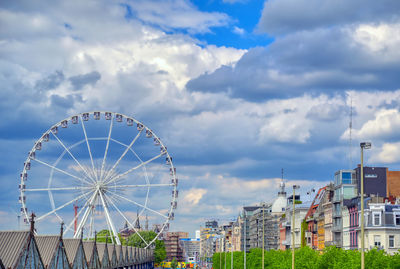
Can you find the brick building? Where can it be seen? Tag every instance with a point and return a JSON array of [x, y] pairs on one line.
[[172, 246]]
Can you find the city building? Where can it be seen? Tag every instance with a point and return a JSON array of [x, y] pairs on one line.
[[382, 226], [374, 180], [208, 242], [247, 213], [345, 187], [286, 222], [191, 249], [393, 183], [172, 246]]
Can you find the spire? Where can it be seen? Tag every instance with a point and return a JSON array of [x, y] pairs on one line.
[[137, 223], [33, 222], [62, 230], [147, 223], [282, 186]]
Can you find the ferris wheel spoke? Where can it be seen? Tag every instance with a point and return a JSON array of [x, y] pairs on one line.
[[108, 143], [62, 171], [60, 189], [62, 206], [68, 228], [72, 156], [133, 169], [107, 213], [126, 219], [143, 185], [138, 204], [85, 215], [124, 153], [88, 146]]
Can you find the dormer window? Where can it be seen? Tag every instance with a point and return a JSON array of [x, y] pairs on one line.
[[397, 218], [376, 218]]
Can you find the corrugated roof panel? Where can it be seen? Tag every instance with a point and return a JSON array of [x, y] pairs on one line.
[[126, 254], [71, 248], [113, 255], [120, 255], [47, 246], [11, 245], [88, 247]]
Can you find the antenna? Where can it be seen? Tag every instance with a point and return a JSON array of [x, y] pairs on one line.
[[350, 129]]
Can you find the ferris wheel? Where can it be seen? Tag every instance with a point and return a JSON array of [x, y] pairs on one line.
[[99, 170]]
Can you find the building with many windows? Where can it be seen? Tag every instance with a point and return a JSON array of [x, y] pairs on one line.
[[345, 187], [382, 227]]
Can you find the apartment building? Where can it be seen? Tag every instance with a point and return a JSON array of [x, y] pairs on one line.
[[382, 227], [173, 247]]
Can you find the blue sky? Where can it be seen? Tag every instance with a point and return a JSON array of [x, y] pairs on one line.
[[237, 90]]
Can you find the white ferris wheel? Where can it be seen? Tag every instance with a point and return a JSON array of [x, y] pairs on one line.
[[99, 170]]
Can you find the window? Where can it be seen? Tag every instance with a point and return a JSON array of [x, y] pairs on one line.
[[397, 219], [391, 241], [377, 219], [349, 192], [377, 240], [346, 177]]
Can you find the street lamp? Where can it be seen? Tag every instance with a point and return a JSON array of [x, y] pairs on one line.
[[293, 203], [233, 230], [363, 145], [263, 234]]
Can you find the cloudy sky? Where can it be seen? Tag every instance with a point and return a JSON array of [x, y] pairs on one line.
[[236, 89]]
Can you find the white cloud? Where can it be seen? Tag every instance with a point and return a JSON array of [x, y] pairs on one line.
[[381, 40], [193, 196], [238, 30], [388, 153], [385, 122], [178, 14]]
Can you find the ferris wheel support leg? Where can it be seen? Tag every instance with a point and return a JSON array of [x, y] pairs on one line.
[[109, 219], [85, 216]]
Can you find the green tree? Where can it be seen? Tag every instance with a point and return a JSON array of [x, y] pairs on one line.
[[104, 235], [135, 240], [174, 264]]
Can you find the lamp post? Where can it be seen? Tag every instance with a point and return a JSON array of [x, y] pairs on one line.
[[363, 145], [293, 203], [232, 244], [263, 235], [244, 241]]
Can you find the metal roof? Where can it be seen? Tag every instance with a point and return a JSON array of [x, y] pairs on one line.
[[101, 248], [12, 243], [112, 255], [47, 246], [120, 255], [71, 248], [88, 247]]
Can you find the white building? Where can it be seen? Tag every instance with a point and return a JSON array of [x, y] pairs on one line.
[[382, 227], [346, 227]]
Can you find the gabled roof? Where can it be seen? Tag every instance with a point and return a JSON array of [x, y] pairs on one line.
[[131, 258], [19, 249], [126, 254], [75, 253], [103, 255], [47, 245], [112, 255], [11, 245], [120, 255], [92, 256]]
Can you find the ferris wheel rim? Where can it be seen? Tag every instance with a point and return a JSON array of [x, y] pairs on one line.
[[92, 193]]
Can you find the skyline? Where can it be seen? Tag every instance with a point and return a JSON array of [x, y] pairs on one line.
[[237, 90]]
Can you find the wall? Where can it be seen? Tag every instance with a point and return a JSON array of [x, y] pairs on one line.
[[373, 185], [393, 183]]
